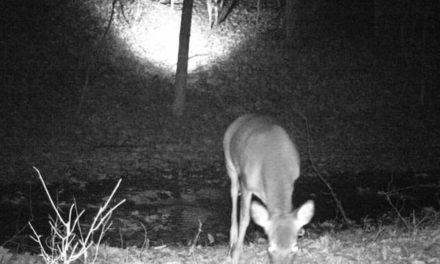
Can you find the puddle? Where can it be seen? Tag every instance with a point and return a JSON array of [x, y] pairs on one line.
[[157, 212]]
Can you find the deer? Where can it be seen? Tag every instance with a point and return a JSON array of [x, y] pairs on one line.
[[263, 162]]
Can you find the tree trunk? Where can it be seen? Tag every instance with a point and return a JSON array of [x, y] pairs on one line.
[[182, 61]]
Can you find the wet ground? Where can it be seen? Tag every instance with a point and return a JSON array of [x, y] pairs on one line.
[[159, 211]]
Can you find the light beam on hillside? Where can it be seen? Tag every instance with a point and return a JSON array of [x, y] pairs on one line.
[[153, 35]]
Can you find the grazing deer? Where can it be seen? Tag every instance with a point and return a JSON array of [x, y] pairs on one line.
[[214, 9], [262, 160]]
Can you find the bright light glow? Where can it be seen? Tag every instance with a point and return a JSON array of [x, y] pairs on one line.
[[152, 34], [158, 42]]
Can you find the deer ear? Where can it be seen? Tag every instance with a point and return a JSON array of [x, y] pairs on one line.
[[305, 213], [259, 214]]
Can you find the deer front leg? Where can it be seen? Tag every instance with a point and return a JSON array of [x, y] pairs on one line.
[[245, 204]]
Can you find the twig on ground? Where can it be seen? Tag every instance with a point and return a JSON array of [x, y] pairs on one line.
[[196, 238], [387, 196], [315, 169]]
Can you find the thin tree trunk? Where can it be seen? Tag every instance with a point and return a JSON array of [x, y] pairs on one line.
[[182, 61]]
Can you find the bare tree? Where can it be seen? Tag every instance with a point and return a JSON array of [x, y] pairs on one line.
[[182, 61]]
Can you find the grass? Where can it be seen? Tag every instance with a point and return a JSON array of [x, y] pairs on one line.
[[67, 242], [367, 244]]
